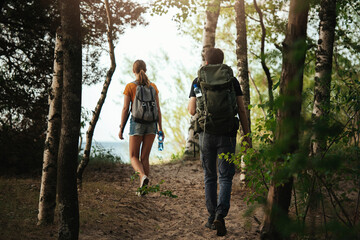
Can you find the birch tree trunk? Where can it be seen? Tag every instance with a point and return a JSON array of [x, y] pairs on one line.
[[242, 65], [323, 72], [241, 54], [321, 106], [288, 116], [70, 121], [209, 32], [47, 199], [100, 103]]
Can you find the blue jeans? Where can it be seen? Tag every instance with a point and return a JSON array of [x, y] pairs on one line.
[[210, 147]]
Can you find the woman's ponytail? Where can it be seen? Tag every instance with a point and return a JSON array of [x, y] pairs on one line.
[[139, 68], [143, 79]]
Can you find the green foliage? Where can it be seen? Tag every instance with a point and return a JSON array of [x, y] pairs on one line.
[[101, 155], [28, 31], [151, 188], [185, 8], [175, 157], [124, 14], [134, 176], [330, 179], [154, 189]]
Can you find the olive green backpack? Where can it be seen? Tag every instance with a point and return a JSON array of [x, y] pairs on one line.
[[217, 106]]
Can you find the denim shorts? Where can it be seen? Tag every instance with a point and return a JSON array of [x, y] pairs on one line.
[[141, 129]]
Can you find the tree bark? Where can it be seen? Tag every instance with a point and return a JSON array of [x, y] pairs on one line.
[[288, 116], [47, 199], [96, 113], [262, 56], [242, 66], [212, 15], [71, 111], [241, 54], [321, 106], [323, 72]]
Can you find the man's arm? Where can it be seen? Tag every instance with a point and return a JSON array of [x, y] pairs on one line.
[[243, 118], [192, 106]]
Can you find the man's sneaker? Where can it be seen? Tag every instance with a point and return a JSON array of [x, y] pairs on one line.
[[219, 223], [210, 224]]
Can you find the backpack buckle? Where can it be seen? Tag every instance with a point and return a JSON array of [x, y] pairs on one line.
[[143, 105]]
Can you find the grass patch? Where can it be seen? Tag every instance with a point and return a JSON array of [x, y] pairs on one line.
[[19, 199], [101, 156]]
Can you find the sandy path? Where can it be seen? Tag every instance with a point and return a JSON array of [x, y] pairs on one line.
[[158, 217]]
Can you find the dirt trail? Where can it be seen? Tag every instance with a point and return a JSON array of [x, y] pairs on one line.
[[126, 216]]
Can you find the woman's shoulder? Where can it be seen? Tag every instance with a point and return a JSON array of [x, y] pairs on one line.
[[133, 83], [130, 88], [154, 86]]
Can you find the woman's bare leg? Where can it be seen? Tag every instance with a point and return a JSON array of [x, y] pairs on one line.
[[134, 152], [145, 152]]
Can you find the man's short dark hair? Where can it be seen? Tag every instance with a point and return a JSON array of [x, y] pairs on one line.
[[214, 56]]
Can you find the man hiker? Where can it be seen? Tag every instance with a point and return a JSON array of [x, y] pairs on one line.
[[216, 98]]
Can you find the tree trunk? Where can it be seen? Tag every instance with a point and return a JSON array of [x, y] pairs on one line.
[[262, 56], [47, 199], [323, 72], [242, 66], [212, 15], [321, 106], [288, 117], [241, 54], [70, 125], [100, 103]]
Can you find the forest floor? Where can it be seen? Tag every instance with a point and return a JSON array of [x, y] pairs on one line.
[[109, 208]]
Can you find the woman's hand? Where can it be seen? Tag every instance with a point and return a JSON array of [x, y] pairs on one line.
[[121, 134], [163, 134]]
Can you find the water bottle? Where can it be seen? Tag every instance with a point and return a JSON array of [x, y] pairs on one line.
[[161, 139], [197, 91]]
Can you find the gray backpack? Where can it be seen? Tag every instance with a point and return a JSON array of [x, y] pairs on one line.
[[144, 108]]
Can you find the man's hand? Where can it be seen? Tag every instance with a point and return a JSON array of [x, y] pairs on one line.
[[192, 106], [249, 142]]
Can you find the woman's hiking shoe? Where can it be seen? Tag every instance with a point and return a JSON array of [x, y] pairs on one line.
[[143, 185], [210, 225], [220, 226], [144, 181]]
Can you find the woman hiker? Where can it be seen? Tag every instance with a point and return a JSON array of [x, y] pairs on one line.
[[142, 132]]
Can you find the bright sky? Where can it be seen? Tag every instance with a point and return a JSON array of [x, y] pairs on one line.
[[139, 43]]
